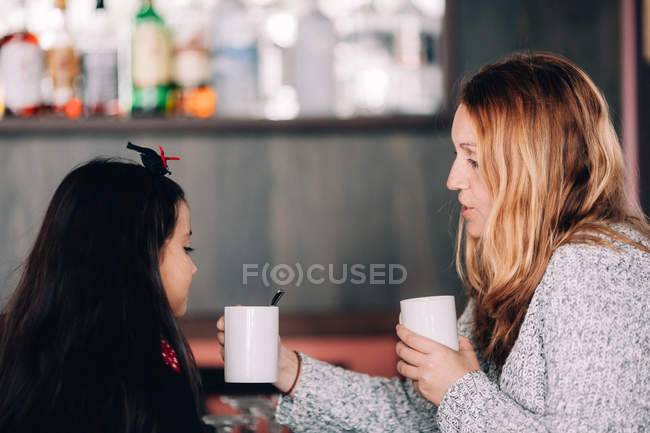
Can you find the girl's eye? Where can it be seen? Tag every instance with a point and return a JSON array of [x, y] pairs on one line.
[[188, 250], [473, 163]]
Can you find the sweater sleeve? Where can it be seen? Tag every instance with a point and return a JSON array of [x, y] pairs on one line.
[[592, 314], [332, 399]]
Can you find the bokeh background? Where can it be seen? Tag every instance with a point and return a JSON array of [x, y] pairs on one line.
[[321, 192]]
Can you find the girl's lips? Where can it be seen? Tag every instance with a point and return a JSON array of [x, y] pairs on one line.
[[464, 211]]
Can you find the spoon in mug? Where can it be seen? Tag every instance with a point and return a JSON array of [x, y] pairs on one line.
[[277, 296]]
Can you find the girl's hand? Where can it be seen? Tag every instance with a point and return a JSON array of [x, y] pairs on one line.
[[432, 366], [287, 360]]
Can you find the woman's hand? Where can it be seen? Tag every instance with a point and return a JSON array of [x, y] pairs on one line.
[[287, 360], [432, 366]]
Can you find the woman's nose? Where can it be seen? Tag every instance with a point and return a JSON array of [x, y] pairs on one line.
[[456, 179]]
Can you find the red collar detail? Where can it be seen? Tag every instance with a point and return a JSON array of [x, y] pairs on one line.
[[169, 356]]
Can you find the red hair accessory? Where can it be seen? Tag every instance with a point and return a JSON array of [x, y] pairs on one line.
[[157, 164], [165, 158]]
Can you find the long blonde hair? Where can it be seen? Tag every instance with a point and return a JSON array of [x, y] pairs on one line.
[[552, 162]]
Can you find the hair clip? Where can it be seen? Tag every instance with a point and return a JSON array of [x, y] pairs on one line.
[[157, 164]]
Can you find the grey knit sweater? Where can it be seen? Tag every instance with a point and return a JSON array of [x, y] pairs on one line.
[[581, 363]]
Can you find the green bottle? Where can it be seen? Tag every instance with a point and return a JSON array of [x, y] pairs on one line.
[[151, 60]]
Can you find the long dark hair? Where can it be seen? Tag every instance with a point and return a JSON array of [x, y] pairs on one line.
[[80, 337]]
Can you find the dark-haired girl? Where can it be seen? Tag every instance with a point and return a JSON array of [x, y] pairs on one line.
[[89, 340]]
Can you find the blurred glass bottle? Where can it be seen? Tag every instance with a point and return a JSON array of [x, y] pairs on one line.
[[278, 97], [363, 63], [21, 65], [151, 63], [61, 65], [433, 75], [313, 63], [99, 65], [191, 64], [414, 68], [235, 60]]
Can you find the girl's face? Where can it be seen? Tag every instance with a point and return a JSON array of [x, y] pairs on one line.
[[465, 175], [176, 266]]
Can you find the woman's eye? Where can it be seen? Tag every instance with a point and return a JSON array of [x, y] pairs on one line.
[[188, 250], [473, 163]]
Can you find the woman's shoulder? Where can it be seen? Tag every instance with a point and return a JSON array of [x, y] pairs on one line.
[[579, 272], [583, 256]]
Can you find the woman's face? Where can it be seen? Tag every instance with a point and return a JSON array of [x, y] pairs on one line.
[[176, 266], [465, 175]]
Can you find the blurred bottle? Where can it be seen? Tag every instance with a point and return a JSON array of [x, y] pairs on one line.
[[363, 63], [235, 60], [21, 65], [151, 62], [61, 65], [99, 65], [416, 76], [191, 70], [278, 97], [313, 69], [432, 67]]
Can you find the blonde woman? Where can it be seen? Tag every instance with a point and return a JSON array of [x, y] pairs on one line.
[[556, 260]]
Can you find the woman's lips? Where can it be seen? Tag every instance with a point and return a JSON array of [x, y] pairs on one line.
[[464, 211]]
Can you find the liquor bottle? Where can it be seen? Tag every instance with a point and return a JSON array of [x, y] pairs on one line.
[[432, 67], [151, 63], [235, 60], [21, 67], [363, 64], [279, 98], [122, 19], [313, 71], [414, 77], [61, 64], [99, 65], [191, 62]]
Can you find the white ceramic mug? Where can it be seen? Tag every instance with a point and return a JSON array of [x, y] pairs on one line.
[[251, 344], [433, 317]]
